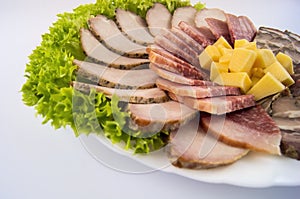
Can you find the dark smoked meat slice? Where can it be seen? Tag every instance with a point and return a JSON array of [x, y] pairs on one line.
[[186, 14], [250, 128], [290, 144], [218, 28]]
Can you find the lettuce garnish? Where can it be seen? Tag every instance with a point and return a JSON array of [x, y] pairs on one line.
[[50, 71]]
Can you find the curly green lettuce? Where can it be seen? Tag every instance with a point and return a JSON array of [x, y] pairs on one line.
[[50, 71]]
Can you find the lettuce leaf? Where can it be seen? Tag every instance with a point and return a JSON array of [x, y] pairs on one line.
[[50, 71]]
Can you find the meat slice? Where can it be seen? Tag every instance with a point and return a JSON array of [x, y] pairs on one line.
[[173, 77], [108, 32], [218, 28], [202, 15], [286, 106], [98, 52], [186, 14], [250, 128], [192, 148], [290, 144], [116, 78], [152, 118], [139, 96], [216, 105], [134, 27], [158, 18], [240, 28], [202, 35], [290, 124], [196, 91]]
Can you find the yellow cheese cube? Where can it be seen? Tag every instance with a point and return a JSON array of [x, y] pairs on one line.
[[267, 85], [257, 72], [222, 42], [240, 43], [265, 58], [286, 61], [279, 72], [224, 51], [251, 46], [254, 80], [225, 59], [216, 69], [242, 60], [240, 79], [210, 54]]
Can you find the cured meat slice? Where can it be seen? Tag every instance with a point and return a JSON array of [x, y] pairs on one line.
[[186, 14], [218, 28], [173, 77], [134, 27], [240, 28], [98, 52], [290, 144], [139, 96], [196, 91], [202, 35], [290, 124], [216, 105], [152, 118], [180, 50], [189, 40], [194, 149], [174, 66], [158, 18], [202, 15], [116, 78], [108, 32], [286, 106], [250, 128]]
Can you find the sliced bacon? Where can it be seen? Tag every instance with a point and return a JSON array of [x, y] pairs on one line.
[[196, 91], [250, 128], [186, 14], [216, 105]]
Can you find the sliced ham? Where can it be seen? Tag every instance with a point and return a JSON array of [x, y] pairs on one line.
[[134, 27], [250, 128], [139, 96], [196, 91], [173, 77], [186, 14], [158, 11], [98, 52], [108, 32], [202, 15], [218, 28], [152, 118], [111, 77], [190, 147], [216, 105], [202, 35]]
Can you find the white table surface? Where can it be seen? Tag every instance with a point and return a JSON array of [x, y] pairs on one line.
[[37, 161]]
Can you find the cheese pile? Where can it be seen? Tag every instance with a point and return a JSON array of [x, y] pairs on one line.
[[255, 71]]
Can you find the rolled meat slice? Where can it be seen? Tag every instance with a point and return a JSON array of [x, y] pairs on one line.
[[186, 14]]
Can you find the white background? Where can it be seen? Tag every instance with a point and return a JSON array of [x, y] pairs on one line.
[[37, 161]]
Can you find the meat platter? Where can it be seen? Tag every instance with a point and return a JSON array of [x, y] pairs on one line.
[[153, 92]]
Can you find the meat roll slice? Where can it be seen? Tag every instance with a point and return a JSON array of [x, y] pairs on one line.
[[186, 14], [108, 32], [158, 18], [202, 15], [134, 27], [98, 52]]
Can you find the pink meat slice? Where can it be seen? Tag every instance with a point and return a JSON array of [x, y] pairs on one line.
[[218, 28], [216, 105], [186, 14], [250, 128], [196, 91]]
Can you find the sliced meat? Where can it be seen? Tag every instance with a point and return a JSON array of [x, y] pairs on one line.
[[250, 128], [134, 27], [286, 106], [217, 105], [116, 78], [152, 118], [178, 48], [240, 28], [174, 66], [186, 14], [173, 77], [108, 32], [290, 124], [194, 149], [290, 144], [98, 52], [202, 15], [139, 96], [196, 91], [202, 35], [158, 11], [218, 28], [188, 40]]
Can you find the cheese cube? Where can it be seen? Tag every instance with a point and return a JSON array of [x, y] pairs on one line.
[[216, 69], [242, 60], [240, 43], [225, 59], [210, 54], [279, 72], [265, 58], [286, 61], [240, 79], [267, 85], [222, 42], [257, 72]]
